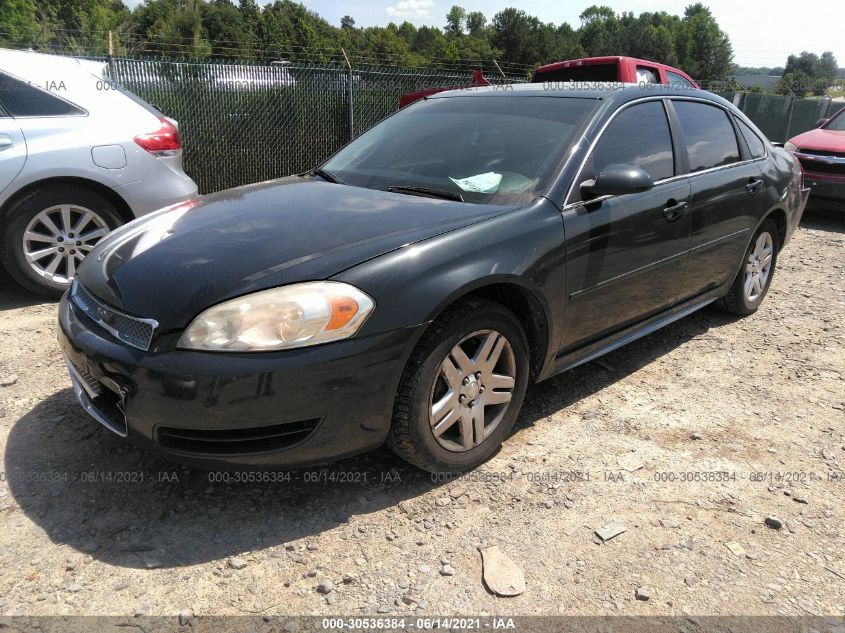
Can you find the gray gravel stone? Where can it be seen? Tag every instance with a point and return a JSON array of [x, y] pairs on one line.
[[237, 563], [774, 522], [325, 586], [185, 616], [642, 593], [8, 380]]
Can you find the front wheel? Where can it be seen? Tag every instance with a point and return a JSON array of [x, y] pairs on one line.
[[461, 389], [758, 268]]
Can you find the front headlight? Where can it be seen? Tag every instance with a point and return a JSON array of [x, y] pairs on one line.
[[790, 147], [280, 318]]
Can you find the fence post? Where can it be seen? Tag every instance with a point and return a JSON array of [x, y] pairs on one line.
[[350, 110]]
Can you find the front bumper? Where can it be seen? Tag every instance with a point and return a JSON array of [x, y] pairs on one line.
[[268, 409], [825, 186]]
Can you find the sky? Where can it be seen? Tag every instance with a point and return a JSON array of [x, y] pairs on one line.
[[763, 32]]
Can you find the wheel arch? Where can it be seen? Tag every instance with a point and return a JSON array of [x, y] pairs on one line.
[[778, 214], [107, 192], [525, 303]]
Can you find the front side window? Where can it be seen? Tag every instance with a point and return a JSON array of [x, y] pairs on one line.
[[677, 81], [639, 135], [755, 144], [21, 99], [498, 149], [709, 135]]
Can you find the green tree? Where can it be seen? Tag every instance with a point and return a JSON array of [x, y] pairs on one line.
[[18, 24], [476, 23], [710, 52], [455, 20]]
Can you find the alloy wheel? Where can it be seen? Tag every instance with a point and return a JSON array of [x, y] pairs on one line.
[[472, 390], [57, 239], [758, 267]]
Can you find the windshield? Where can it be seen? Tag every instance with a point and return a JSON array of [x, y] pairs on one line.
[[489, 149], [837, 122]]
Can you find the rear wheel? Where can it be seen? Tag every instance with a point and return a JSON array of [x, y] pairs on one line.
[[49, 233], [758, 268], [462, 388]]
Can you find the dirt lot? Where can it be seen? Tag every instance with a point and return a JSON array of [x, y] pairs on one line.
[[690, 437]]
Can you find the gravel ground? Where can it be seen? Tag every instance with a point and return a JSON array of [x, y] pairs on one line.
[[691, 438]]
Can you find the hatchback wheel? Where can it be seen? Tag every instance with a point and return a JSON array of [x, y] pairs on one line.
[[462, 388], [755, 276], [49, 234]]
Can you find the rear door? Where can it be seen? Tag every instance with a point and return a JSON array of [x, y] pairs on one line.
[[12, 147], [625, 253], [727, 195]]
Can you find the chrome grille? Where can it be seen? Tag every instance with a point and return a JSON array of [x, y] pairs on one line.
[[133, 331]]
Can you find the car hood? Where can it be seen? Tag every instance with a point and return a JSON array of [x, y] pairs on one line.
[[174, 263], [821, 140]]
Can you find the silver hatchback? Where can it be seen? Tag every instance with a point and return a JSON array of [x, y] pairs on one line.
[[79, 156]]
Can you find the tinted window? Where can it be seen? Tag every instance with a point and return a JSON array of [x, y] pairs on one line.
[[639, 135], [677, 81], [593, 72], [709, 135], [755, 145], [22, 99], [495, 149]]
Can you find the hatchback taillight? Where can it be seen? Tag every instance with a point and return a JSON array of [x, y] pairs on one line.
[[163, 142]]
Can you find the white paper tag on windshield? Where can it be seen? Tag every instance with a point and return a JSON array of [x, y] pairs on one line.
[[482, 183]]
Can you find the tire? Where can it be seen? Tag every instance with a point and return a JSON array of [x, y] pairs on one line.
[[22, 217], [470, 326], [743, 299]]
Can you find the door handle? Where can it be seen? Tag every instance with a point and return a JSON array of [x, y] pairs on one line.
[[5, 142], [753, 186], [674, 211]]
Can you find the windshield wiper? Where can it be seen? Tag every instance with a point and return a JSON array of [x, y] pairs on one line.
[[327, 176], [427, 192]]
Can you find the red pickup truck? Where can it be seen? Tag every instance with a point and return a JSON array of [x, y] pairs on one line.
[[615, 68], [629, 70]]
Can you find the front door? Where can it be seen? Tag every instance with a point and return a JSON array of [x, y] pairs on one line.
[[625, 254]]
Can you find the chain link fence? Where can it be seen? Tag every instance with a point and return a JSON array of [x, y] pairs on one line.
[[780, 117], [249, 122], [244, 123]]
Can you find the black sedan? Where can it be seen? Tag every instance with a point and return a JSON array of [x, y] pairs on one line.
[[409, 289]]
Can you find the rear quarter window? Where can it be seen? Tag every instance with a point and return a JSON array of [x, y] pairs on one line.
[[21, 99], [708, 133], [677, 81], [754, 142]]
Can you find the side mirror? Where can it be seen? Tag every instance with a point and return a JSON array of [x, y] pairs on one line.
[[821, 122], [617, 180]]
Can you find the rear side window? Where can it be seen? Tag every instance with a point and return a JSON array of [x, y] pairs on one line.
[[709, 135], [593, 72], [639, 135], [677, 81], [21, 99], [755, 144]]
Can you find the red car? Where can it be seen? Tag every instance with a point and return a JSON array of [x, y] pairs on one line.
[[629, 70], [822, 155]]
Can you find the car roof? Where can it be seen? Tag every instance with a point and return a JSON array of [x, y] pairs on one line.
[[40, 66], [611, 92], [592, 61]]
